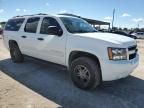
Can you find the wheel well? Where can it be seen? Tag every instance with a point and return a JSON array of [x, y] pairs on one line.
[[12, 42], [76, 54]]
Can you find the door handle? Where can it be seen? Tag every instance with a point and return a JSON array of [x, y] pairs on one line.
[[23, 36], [41, 39]]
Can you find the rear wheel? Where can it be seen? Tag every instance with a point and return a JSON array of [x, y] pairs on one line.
[[16, 54], [85, 73]]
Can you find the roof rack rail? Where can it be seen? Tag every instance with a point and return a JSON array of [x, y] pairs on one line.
[[68, 14], [30, 15], [41, 14]]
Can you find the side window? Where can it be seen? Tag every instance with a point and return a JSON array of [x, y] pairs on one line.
[[31, 25], [14, 24], [48, 21]]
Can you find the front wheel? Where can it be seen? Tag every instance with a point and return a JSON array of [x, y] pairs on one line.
[[85, 73]]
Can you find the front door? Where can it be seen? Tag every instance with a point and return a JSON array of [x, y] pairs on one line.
[[51, 47]]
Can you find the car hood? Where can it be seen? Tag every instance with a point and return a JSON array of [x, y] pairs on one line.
[[109, 37]]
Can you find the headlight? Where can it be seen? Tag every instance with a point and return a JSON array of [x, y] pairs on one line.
[[117, 53]]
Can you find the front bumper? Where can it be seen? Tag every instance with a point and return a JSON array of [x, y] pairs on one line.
[[113, 70]]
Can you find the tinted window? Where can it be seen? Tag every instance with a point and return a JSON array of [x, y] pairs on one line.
[[47, 21], [31, 25], [14, 24]]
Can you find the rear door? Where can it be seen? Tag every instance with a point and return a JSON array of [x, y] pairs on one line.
[[28, 37]]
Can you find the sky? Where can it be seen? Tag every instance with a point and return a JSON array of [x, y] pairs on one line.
[[128, 13]]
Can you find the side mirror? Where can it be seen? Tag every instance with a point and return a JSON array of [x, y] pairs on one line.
[[53, 30]]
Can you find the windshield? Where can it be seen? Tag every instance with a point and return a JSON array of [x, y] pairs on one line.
[[76, 25]]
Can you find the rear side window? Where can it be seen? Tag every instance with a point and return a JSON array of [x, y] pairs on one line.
[[14, 24], [31, 25], [48, 21]]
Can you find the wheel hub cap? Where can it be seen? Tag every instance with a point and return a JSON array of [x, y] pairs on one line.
[[82, 73]]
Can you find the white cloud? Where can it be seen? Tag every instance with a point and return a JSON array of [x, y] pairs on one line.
[[18, 9], [138, 19], [108, 18], [24, 10], [126, 15], [1, 10], [63, 11], [47, 4]]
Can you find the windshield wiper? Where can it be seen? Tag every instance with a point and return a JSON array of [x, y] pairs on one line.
[[82, 31], [95, 31]]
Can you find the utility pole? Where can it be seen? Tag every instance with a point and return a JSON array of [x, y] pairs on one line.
[[113, 18], [138, 25]]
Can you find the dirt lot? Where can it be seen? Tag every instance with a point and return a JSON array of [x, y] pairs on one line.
[[35, 84]]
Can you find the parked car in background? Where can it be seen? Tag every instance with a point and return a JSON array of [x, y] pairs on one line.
[[89, 55], [139, 35], [123, 33]]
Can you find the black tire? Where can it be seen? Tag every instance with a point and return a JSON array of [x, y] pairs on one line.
[[16, 54], [92, 70]]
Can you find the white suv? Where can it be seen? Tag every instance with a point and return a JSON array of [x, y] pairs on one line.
[[139, 35], [91, 56]]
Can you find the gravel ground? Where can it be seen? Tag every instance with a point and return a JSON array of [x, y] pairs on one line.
[[36, 84]]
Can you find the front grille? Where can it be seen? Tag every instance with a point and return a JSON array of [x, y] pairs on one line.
[[132, 56], [132, 52], [132, 48]]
